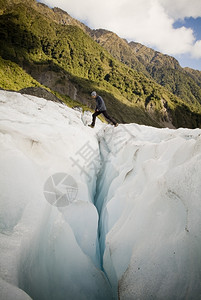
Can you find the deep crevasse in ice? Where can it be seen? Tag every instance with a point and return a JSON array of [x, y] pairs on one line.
[[145, 184], [49, 252], [151, 215]]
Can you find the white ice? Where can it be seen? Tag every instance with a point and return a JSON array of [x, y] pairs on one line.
[[138, 188], [151, 214], [49, 252]]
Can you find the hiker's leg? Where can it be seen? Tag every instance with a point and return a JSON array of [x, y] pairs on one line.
[[94, 117], [108, 117]]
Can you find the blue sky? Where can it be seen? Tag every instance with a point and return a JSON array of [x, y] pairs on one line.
[[169, 26], [187, 59]]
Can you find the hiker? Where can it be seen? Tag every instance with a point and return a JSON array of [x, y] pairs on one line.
[[100, 109]]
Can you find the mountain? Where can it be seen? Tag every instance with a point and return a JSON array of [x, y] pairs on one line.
[[164, 69], [119, 48], [105, 213], [195, 74], [46, 48]]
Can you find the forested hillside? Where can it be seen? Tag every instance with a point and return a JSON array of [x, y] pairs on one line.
[[164, 69]]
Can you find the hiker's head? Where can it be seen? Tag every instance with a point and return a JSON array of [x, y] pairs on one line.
[[93, 94]]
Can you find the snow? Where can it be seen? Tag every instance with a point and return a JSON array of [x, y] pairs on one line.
[[130, 226]]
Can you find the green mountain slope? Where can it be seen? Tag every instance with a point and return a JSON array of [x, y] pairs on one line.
[[13, 77], [167, 72], [119, 48], [195, 74], [164, 69], [62, 57]]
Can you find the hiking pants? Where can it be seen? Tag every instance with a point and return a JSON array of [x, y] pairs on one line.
[[104, 112]]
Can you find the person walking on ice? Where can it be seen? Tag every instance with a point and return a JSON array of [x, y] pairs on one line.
[[100, 109]]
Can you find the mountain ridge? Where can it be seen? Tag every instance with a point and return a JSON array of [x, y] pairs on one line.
[[164, 69]]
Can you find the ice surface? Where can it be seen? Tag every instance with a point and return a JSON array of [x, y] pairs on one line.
[[8, 291], [49, 252], [151, 215], [131, 226]]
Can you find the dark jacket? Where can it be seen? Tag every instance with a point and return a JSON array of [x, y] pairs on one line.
[[100, 104]]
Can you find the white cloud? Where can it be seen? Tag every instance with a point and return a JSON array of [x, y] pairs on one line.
[[179, 9], [149, 22], [196, 50]]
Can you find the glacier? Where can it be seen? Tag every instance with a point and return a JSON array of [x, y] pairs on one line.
[[129, 228]]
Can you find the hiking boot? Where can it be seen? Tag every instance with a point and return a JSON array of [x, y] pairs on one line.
[[116, 125], [91, 125]]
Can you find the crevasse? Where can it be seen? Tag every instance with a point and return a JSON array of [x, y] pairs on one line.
[[61, 262], [144, 203]]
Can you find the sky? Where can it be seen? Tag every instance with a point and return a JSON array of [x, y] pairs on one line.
[[172, 27]]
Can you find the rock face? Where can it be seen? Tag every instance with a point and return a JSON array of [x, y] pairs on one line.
[[56, 81], [40, 92]]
